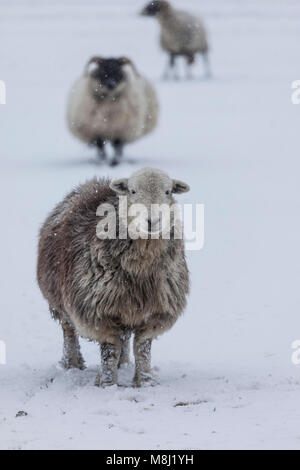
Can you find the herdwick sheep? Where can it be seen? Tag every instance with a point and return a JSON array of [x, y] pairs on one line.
[[112, 102], [182, 34], [107, 289]]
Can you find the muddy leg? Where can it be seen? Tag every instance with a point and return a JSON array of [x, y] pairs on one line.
[[125, 348], [142, 352], [72, 357], [110, 355]]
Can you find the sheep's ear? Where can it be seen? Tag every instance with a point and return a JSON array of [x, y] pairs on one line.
[[180, 187], [93, 64], [97, 59], [124, 61], [120, 186]]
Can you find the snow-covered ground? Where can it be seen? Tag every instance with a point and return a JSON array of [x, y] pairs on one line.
[[226, 376]]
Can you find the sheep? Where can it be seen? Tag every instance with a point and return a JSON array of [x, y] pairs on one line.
[[182, 34], [112, 102], [108, 289]]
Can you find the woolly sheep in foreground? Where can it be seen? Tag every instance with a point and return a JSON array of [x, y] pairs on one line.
[[105, 290], [182, 34], [113, 103]]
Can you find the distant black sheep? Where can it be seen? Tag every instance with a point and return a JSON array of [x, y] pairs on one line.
[[113, 103], [182, 34]]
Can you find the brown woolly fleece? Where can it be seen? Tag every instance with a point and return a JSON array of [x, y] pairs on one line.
[[105, 289]]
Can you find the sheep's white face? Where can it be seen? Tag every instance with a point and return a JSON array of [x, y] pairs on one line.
[[109, 77], [147, 192]]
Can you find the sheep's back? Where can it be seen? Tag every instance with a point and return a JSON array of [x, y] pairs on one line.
[[183, 33]]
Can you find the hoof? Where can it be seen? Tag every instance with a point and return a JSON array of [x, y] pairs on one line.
[[68, 365], [104, 383], [124, 364], [114, 162], [145, 380]]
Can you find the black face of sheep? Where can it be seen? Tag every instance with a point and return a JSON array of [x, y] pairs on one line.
[[108, 72], [154, 8]]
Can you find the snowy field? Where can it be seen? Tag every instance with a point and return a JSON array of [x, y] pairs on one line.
[[226, 376]]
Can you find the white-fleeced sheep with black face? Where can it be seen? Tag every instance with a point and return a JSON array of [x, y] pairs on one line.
[[113, 103], [107, 289], [182, 34]]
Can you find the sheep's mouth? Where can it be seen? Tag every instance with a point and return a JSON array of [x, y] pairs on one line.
[[148, 13], [111, 85], [107, 83]]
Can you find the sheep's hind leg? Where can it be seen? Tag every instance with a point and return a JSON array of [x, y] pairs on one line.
[[110, 355], [142, 352], [125, 348], [72, 357]]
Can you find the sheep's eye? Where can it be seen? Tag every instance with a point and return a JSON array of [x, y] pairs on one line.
[[133, 191], [167, 193]]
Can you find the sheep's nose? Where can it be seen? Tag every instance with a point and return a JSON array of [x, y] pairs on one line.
[[111, 84]]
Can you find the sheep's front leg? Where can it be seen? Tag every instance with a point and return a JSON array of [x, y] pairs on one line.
[[125, 348], [171, 68], [118, 146], [72, 357], [207, 67], [142, 352], [110, 355], [166, 74], [100, 144]]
